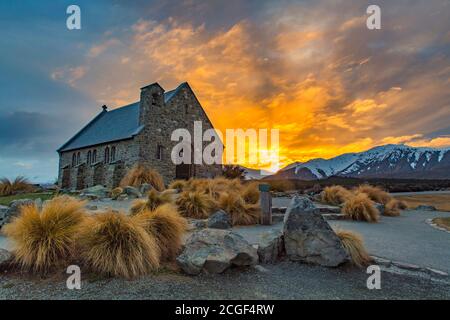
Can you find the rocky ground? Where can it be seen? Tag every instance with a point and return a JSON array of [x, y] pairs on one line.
[[285, 280]]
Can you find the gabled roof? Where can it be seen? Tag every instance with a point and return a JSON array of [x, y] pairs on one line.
[[108, 126]]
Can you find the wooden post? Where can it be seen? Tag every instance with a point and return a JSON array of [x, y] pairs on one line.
[[266, 204]]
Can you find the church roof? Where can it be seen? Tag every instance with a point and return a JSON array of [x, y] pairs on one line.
[[108, 126]]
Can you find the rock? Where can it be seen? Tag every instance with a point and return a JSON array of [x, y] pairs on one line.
[[380, 207], [424, 207], [14, 208], [260, 268], [122, 197], [219, 220], [89, 196], [98, 190], [271, 246], [132, 192], [299, 203], [214, 251], [145, 188], [92, 207], [3, 211], [197, 224], [5, 256], [334, 216], [309, 238]]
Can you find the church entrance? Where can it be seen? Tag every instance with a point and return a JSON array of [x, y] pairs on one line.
[[81, 177], [184, 171]]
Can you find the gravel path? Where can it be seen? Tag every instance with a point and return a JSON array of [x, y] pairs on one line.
[[286, 280]]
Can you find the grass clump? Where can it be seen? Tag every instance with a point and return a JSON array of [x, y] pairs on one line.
[[393, 207], [45, 240], [195, 204], [335, 195], [18, 185], [375, 193], [141, 174], [116, 192], [241, 213], [115, 244], [167, 226], [250, 193], [360, 207], [354, 246], [178, 185], [154, 200]]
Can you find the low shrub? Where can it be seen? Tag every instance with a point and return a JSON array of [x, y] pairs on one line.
[[360, 207], [154, 200], [195, 204], [167, 226], [354, 246], [335, 195], [392, 208], [115, 244], [18, 185], [141, 174], [46, 240], [241, 213], [375, 193]]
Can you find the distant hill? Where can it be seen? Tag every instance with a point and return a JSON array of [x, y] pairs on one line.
[[388, 161]]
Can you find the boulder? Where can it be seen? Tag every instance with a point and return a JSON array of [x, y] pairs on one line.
[[197, 224], [214, 251], [270, 246], [122, 197], [132, 192], [5, 256], [145, 188], [91, 207], [424, 207], [219, 220], [309, 238], [98, 190]]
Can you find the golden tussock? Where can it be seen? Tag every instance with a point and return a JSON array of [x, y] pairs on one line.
[[360, 207], [141, 174], [354, 246]]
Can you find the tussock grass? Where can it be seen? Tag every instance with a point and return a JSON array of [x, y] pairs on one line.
[[360, 207], [154, 200], [116, 192], [393, 207], [141, 174], [354, 245], [195, 204], [335, 195], [18, 185], [46, 240], [241, 213], [375, 193], [167, 226], [250, 193], [178, 185], [115, 244]]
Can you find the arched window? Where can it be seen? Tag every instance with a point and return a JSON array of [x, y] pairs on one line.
[[94, 156], [159, 152], [113, 154], [74, 160], [107, 155], [89, 157], [78, 158]]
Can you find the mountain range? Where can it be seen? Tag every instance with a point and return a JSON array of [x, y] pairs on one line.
[[397, 161]]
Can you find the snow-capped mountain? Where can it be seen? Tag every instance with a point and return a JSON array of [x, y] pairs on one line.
[[252, 174], [388, 161]]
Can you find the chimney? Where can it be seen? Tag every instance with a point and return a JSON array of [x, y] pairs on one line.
[[152, 102]]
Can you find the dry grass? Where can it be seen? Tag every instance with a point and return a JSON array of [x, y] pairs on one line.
[[241, 213], [116, 192], [45, 240], [141, 174], [360, 207], [354, 245], [154, 200], [335, 195], [281, 185], [393, 207], [178, 185], [115, 244], [250, 193], [443, 222], [167, 226], [18, 185], [440, 200], [375, 193], [195, 204]]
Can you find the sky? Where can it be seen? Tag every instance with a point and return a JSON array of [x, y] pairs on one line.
[[310, 68]]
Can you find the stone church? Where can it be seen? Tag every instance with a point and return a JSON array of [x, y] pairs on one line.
[[114, 141]]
